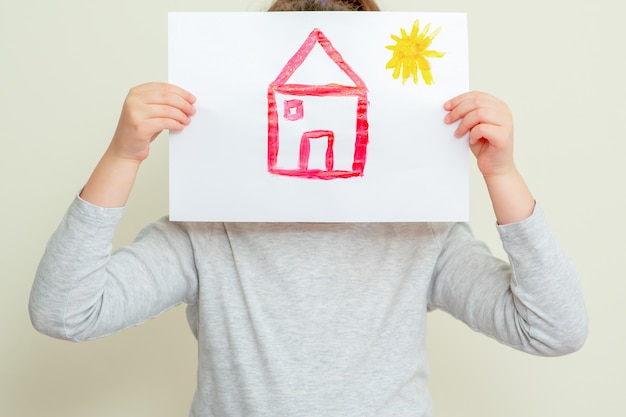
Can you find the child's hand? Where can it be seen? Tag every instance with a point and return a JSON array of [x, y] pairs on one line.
[[490, 125], [149, 109]]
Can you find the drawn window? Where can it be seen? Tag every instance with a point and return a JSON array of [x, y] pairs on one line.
[[294, 110]]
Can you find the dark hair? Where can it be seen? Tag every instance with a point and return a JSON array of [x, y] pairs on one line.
[[323, 6]]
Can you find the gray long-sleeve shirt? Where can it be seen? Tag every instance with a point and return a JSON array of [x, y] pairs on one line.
[[309, 319]]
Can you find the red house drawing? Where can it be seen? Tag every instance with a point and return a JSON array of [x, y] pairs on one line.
[[288, 102]]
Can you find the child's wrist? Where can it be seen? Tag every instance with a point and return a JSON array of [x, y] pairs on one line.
[[508, 179], [122, 158], [511, 199], [504, 173]]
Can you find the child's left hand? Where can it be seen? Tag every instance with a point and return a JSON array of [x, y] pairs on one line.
[[490, 125]]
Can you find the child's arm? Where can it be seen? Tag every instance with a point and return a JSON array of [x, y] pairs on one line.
[[490, 126], [81, 289], [535, 303], [149, 109]]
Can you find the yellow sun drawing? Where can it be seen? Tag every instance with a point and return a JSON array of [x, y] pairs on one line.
[[410, 54]]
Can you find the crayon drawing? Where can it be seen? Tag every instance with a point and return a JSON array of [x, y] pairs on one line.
[[298, 120], [293, 100], [410, 54]]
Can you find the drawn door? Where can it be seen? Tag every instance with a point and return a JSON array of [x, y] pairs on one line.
[[322, 158]]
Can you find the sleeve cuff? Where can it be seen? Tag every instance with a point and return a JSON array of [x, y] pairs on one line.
[[91, 212]]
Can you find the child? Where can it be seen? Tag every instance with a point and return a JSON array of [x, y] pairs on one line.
[[284, 330]]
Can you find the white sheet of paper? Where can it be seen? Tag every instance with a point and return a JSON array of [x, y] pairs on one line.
[[245, 159]]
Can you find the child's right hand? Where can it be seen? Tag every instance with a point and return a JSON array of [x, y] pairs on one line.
[[148, 110]]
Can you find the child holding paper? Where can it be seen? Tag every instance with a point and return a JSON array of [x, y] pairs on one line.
[[284, 330]]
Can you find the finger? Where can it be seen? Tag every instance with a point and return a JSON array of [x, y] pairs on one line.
[[170, 124], [162, 87], [172, 100], [454, 102], [472, 119], [460, 110], [153, 127], [461, 105], [162, 93], [490, 133], [164, 111], [181, 92]]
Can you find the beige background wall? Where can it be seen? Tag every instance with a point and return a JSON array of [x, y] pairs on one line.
[[66, 66]]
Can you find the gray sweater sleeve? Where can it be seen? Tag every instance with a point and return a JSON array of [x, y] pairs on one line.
[[83, 291], [532, 303]]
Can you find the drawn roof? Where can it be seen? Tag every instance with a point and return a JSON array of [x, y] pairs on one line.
[[316, 37]]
